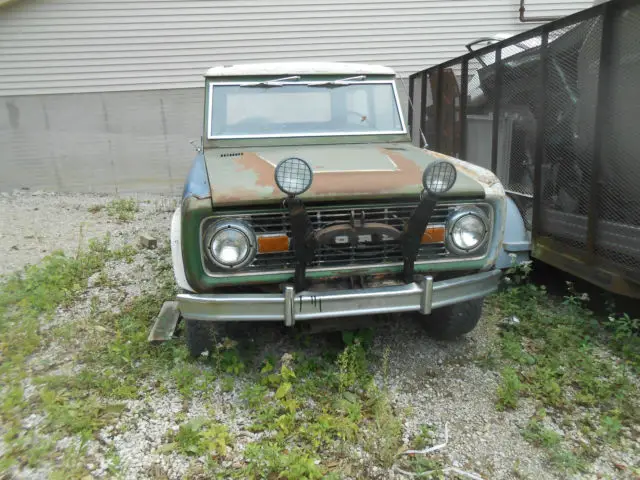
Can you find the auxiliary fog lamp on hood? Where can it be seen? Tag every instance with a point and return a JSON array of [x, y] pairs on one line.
[[293, 176]]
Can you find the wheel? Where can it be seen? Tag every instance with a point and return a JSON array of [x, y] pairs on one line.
[[449, 323], [199, 336]]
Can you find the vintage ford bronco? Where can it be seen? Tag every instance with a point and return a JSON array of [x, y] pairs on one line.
[[307, 201]]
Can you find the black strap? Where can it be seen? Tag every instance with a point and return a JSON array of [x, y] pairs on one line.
[[304, 240], [412, 235]]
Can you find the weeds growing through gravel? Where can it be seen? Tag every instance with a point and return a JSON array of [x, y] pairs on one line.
[[201, 436], [122, 209], [28, 299], [559, 354], [316, 416], [312, 412]]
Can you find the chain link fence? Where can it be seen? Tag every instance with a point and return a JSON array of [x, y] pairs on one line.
[[553, 112]]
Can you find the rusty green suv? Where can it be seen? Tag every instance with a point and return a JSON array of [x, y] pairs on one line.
[[307, 201]]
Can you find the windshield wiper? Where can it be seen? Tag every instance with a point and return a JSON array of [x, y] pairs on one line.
[[272, 83], [338, 83]]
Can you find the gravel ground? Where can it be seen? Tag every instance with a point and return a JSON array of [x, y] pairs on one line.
[[441, 383]]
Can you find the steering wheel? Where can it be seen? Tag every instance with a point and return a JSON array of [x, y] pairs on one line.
[[362, 119]]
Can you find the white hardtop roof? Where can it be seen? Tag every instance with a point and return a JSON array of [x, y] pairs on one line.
[[298, 68]]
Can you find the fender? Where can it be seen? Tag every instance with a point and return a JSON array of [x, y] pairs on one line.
[[517, 239], [176, 252]]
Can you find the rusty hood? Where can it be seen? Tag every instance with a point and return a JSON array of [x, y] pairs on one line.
[[241, 176]]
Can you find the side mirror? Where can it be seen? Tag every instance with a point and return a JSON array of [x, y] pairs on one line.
[[197, 146]]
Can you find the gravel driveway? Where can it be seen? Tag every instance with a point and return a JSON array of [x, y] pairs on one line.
[[432, 383]]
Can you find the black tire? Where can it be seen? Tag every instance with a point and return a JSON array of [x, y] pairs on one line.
[[449, 323], [199, 336]]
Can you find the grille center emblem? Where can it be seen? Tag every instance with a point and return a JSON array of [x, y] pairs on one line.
[[358, 231]]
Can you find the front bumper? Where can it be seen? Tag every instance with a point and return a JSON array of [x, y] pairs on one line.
[[290, 307]]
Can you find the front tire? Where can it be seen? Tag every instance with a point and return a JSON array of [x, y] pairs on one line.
[[199, 336], [453, 321]]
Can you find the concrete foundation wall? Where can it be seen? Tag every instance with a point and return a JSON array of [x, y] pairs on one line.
[[115, 142]]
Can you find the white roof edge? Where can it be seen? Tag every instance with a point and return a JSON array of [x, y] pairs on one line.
[[298, 68]]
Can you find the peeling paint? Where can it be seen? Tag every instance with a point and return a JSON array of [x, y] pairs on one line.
[[340, 172], [490, 182]]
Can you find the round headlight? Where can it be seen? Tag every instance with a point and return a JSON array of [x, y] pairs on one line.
[[439, 177], [231, 244], [293, 176], [467, 231]]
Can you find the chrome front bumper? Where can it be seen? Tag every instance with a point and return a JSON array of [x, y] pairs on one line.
[[290, 307]]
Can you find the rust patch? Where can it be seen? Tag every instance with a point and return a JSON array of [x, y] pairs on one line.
[[235, 195], [263, 169], [348, 182], [478, 173]]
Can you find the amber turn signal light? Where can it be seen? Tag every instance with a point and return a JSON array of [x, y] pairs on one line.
[[433, 234], [273, 243]]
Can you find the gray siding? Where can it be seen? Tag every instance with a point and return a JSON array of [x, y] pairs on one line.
[[71, 46], [104, 95]]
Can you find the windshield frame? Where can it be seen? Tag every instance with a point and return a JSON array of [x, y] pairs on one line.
[[209, 110]]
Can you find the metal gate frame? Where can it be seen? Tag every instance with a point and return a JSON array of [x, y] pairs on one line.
[[429, 91]]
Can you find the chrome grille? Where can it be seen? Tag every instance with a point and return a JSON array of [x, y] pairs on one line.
[[396, 215]]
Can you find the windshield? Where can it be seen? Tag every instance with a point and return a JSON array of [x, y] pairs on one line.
[[302, 109]]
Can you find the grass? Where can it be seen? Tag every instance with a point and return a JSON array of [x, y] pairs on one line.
[[29, 298], [76, 405], [312, 411], [122, 209], [201, 436], [317, 416], [560, 356], [509, 389]]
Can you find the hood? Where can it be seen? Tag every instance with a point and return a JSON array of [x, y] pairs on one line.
[[241, 176]]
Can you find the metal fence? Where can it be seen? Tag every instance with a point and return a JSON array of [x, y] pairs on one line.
[[554, 112]]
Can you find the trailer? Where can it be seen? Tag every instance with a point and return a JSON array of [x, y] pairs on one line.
[[554, 113]]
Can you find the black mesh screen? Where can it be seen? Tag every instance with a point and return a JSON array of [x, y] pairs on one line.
[[618, 235], [570, 103], [560, 104]]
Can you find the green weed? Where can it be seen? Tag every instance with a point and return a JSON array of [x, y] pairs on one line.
[[30, 297], [537, 434], [95, 208], [351, 363], [111, 346], [77, 416], [200, 436], [509, 389], [555, 356], [266, 460], [384, 432], [122, 209], [424, 438]]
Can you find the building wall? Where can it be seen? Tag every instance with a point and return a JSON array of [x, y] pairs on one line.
[[104, 95], [114, 142], [111, 142]]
